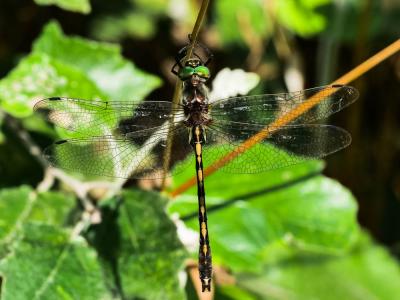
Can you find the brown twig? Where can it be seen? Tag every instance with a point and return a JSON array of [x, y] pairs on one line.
[[178, 87], [80, 189], [294, 113]]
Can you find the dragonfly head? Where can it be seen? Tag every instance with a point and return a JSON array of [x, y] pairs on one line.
[[194, 72]]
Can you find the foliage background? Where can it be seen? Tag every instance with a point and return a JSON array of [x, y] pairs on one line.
[[298, 241]]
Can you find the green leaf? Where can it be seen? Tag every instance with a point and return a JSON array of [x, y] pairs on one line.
[[368, 272], [74, 67], [154, 6], [81, 6], [20, 205], [151, 254], [101, 62], [52, 208], [301, 16], [38, 76], [45, 264], [2, 136], [132, 24], [15, 205], [137, 20], [235, 18], [295, 206]]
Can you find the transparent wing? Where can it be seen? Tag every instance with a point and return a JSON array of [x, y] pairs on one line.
[[136, 155], [265, 109], [93, 117], [277, 147]]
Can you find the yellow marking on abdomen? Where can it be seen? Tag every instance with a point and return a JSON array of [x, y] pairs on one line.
[[198, 148], [200, 175], [203, 229]]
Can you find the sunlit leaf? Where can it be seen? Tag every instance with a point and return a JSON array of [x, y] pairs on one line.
[[302, 16], [39, 76], [154, 6], [103, 63], [74, 67], [81, 6], [2, 136]]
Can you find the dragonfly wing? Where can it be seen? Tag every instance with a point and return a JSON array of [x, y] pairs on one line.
[[138, 155], [291, 108], [93, 118], [272, 148]]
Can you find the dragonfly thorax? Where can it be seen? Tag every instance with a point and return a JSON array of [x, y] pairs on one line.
[[196, 113], [195, 101]]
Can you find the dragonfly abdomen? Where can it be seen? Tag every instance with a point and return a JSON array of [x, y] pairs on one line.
[[205, 265]]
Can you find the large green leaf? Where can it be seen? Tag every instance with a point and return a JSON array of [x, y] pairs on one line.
[[45, 263], [39, 76], [82, 6], [101, 62], [368, 272], [74, 67], [293, 206], [15, 204], [140, 247], [52, 208], [20, 205], [39, 260]]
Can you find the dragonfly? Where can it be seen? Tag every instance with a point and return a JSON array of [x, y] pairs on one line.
[[127, 139]]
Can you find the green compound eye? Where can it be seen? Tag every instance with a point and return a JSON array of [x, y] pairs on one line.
[[202, 71], [186, 72]]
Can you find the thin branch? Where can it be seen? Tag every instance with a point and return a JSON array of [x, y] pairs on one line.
[[47, 181], [80, 189], [293, 114], [26, 139], [178, 88]]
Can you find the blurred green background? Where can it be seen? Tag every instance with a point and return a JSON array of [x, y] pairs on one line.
[[313, 231]]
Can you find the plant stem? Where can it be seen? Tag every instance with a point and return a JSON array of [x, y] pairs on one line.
[[178, 88]]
